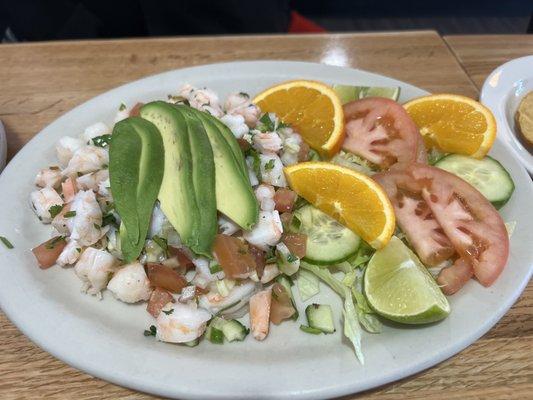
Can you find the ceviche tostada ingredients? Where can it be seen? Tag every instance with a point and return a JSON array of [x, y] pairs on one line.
[[221, 218], [454, 124]]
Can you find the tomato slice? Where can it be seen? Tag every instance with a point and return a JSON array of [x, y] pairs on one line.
[[473, 226], [48, 252], [415, 218], [381, 131]]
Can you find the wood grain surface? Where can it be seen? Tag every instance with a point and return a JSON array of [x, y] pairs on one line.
[[39, 82], [481, 54]]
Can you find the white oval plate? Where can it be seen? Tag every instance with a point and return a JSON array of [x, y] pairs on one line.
[[105, 338], [502, 92]]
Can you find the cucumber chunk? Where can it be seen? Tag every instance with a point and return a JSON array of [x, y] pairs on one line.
[[486, 175], [214, 333], [320, 316], [328, 242], [234, 330]]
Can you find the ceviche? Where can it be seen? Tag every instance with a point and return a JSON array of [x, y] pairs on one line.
[[226, 216]]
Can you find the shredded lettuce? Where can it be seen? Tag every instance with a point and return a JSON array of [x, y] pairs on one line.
[[326, 275], [352, 328], [308, 285]]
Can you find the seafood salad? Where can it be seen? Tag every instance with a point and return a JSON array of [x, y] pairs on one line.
[[225, 216]]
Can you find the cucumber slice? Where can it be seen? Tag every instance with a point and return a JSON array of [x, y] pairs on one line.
[[320, 316], [349, 93], [234, 330], [328, 242], [486, 175], [214, 333]]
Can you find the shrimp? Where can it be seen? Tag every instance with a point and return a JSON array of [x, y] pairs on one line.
[[202, 99], [270, 272], [203, 274], [227, 226], [260, 314], [70, 253], [87, 159], [272, 170], [291, 149], [69, 189], [130, 284], [104, 189], [60, 223], [251, 173], [85, 225], [267, 232], [240, 104], [267, 142], [91, 181], [236, 298], [265, 196], [41, 201], [180, 323], [236, 124], [187, 294], [94, 269], [48, 177], [66, 147], [94, 130]]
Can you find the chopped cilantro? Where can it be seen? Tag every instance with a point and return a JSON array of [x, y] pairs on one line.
[[283, 125], [266, 124], [53, 242], [78, 249], [70, 214], [256, 165], [102, 141], [79, 174], [97, 226], [6, 242], [214, 268], [55, 209], [244, 94], [122, 107], [150, 331], [169, 311], [269, 165], [291, 258], [54, 168]]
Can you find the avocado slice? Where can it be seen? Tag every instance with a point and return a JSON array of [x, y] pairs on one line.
[[203, 178], [136, 160], [177, 196], [234, 195]]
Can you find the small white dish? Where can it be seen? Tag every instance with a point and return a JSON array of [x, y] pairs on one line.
[[502, 92], [105, 338]]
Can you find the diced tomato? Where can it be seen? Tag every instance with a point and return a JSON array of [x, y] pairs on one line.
[[260, 259], [453, 278], [158, 299], [303, 154], [281, 307], [296, 242], [469, 221], [69, 189], [165, 277], [183, 259], [48, 252], [244, 144], [284, 199], [199, 291], [135, 111], [381, 131], [414, 217], [234, 256]]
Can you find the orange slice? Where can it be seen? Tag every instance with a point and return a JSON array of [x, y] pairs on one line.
[[353, 199], [454, 124], [312, 108]]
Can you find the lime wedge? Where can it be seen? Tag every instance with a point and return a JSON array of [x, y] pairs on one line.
[[399, 287], [348, 93]]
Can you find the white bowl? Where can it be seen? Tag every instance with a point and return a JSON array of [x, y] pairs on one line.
[[502, 92]]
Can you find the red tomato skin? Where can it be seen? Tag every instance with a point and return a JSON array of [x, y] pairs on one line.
[[47, 257], [165, 277], [158, 299], [381, 131], [454, 277]]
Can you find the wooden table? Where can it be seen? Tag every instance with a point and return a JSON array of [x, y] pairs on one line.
[[43, 80]]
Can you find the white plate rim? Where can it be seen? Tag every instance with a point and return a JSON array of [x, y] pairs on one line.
[[119, 378]]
